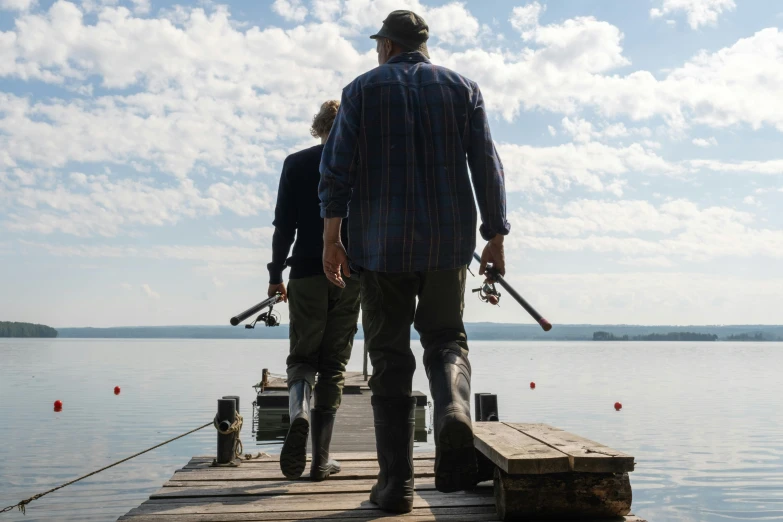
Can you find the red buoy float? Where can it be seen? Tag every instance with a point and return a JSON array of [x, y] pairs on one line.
[[116, 390], [618, 406], [58, 405], [532, 386]]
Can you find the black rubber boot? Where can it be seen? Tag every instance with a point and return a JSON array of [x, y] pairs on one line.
[[293, 457], [449, 372], [322, 425], [395, 422]]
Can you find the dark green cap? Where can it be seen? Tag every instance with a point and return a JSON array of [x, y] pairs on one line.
[[407, 29]]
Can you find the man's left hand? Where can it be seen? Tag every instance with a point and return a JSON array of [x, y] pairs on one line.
[[335, 260]]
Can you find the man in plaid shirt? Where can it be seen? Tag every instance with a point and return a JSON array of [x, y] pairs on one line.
[[397, 162]]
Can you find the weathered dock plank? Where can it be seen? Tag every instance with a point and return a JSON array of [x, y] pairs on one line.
[[243, 473], [342, 456], [516, 453], [583, 454], [303, 503], [297, 487], [275, 465], [425, 514]]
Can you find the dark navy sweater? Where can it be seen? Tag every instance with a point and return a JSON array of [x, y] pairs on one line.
[[298, 213]]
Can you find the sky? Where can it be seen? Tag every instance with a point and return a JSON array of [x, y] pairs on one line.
[[141, 143]]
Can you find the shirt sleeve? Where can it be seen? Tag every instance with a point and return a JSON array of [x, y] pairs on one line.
[[285, 228], [486, 170], [339, 158]]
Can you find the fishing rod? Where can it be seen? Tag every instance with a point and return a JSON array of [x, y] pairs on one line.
[[269, 318], [489, 294]]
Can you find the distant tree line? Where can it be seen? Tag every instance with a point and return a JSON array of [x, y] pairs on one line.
[[8, 329], [671, 336], [756, 337]]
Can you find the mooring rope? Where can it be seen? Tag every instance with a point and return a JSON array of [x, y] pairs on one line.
[[23, 504], [236, 427]]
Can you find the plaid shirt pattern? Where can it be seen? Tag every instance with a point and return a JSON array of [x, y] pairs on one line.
[[396, 164]]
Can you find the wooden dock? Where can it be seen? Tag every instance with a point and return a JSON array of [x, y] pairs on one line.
[[256, 490]]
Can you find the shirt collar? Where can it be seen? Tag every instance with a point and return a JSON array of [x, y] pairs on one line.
[[411, 57]]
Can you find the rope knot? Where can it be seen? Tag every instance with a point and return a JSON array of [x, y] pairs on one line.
[[234, 429]]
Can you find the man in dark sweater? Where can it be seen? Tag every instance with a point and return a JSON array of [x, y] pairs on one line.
[[322, 316]]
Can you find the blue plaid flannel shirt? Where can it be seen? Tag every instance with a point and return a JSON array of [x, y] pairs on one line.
[[396, 165]]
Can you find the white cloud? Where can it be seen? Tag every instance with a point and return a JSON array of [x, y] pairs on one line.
[[699, 12], [205, 253], [224, 234], [583, 131], [149, 292], [704, 143], [326, 10], [773, 167], [552, 130], [750, 200], [103, 206], [257, 236], [243, 199], [592, 165], [291, 10], [213, 87], [653, 261], [677, 229], [570, 73], [217, 282], [141, 6], [17, 5], [126, 286], [525, 17]]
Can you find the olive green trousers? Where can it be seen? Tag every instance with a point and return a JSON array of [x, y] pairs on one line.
[[322, 326]]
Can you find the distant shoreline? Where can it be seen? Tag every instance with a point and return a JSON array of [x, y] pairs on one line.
[[475, 331]]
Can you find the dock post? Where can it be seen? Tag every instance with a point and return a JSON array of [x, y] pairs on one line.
[[488, 405], [235, 397], [226, 415], [477, 406]]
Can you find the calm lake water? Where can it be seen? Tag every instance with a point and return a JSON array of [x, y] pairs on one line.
[[702, 419]]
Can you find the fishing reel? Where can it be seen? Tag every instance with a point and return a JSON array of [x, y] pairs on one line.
[[268, 318], [488, 293]]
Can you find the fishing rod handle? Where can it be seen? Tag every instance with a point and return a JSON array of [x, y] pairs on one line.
[[252, 310], [493, 273]]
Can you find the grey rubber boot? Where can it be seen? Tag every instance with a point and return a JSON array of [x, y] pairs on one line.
[[322, 424], [293, 457]]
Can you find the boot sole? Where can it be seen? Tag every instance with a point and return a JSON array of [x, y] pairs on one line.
[[456, 467], [399, 505], [293, 456]]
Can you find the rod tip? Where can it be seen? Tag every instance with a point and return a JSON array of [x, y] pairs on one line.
[[546, 325]]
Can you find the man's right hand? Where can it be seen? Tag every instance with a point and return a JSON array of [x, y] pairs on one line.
[[335, 261], [273, 289], [493, 253]]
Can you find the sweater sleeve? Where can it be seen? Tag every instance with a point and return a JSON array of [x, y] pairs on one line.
[[486, 170], [285, 227]]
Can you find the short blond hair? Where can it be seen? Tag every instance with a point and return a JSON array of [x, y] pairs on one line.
[[322, 122]]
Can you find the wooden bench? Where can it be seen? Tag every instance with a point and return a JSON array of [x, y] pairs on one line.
[[543, 472]]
